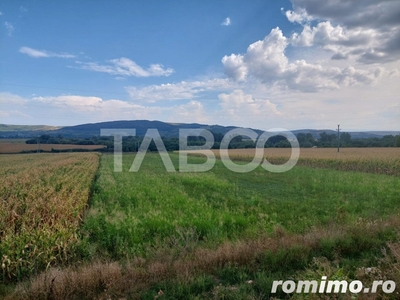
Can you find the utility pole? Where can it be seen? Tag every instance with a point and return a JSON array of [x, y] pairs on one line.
[[338, 138], [38, 144]]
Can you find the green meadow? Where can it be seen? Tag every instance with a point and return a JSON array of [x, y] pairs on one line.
[[132, 211]]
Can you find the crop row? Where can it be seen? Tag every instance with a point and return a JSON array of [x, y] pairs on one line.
[[42, 199]]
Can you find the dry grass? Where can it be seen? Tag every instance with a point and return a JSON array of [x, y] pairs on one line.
[[13, 147], [111, 280], [42, 198], [322, 153], [371, 160]]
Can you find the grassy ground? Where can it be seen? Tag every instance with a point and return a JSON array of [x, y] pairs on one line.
[[133, 211], [225, 235]]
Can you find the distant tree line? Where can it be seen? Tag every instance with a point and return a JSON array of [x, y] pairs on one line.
[[132, 143], [345, 140]]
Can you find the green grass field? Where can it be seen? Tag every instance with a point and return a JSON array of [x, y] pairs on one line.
[[133, 211], [225, 235]]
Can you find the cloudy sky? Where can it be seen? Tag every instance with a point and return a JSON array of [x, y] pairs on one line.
[[261, 64]]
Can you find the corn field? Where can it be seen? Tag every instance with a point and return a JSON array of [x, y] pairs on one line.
[[370, 160], [43, 197], [8, 148]]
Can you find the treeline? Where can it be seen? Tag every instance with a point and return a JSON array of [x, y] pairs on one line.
[[59, 139], [132, 143], [345, 140]]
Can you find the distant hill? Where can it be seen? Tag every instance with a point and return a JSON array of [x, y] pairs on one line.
[[25, 131], [141, 126], [14, 128]]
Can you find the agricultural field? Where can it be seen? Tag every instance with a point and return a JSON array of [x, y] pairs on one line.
[[372, 160], [17, 147], [324, 153], [212, 235], [43, 198]]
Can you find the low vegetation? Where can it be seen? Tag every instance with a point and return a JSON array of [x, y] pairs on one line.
[[10, 147], [43, 197], [224, 235], [371, 160]]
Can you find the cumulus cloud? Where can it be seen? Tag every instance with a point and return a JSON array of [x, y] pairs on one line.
[[299, 16], [9, 28], [367, 30], [184, 90], [363, 44], [267, 62], [226, 22], [126, 67], [43, 53], [193, 111], [240, 106], [367, 13], [84, 109], [85, 104]]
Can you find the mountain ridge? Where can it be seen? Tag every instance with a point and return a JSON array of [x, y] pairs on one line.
[[167, 129]]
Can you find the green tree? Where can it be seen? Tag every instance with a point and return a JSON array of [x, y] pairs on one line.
[[397, 141]]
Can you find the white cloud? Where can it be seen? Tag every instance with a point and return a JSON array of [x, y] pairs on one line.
[[9, 28], [239, 106], [266, 61], [345, 43], [11, 114], [226, 22], [299, 16], [184, 90], [367, 30], [85, 104], [193, 111], [126, 67], [43, 53], [367, 13], [235, 67], [84, 109], [8, 98]]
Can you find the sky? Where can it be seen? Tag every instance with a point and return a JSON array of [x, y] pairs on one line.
[[261, 64]]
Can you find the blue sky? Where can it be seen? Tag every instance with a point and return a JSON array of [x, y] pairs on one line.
[[261, 64]]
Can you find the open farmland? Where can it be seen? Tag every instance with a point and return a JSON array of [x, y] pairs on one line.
[[43, 197], [11, 147], [223, 235], [350, 154], [372, 160]]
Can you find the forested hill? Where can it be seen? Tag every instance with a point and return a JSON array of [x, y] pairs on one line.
[[93, 129], [168, 130], [165, 129]]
